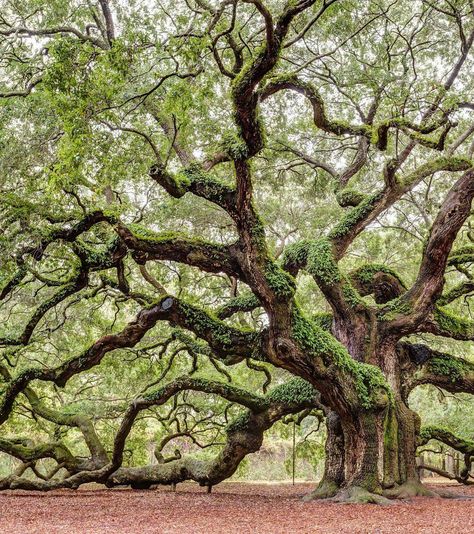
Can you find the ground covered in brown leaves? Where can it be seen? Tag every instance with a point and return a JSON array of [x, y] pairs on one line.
[[232, 507]]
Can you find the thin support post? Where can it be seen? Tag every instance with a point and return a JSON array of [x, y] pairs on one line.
[[294, 452]]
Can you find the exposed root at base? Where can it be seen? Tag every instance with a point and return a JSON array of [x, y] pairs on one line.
[[455, 496], [325, 490], [357, 494], [408, 490]]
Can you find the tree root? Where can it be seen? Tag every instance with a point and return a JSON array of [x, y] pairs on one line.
[[453, 495], [408, 490], [331, 492], [325, 490], [358, 495]]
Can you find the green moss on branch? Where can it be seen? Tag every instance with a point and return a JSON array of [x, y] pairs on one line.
[[452, 368], [369, 382], [452, 325]]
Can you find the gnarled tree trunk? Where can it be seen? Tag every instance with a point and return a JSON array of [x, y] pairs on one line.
[[371, 454]]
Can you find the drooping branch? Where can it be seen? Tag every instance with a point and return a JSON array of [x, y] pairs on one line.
[[445, 474], [67, 234], [82, 422], [447, 437], [22, 92], [89, 261], [15, 280], [128, 337], [243, 436], [464, 446], [227, 342]]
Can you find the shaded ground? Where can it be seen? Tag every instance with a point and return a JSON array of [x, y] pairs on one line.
[[231, 508]]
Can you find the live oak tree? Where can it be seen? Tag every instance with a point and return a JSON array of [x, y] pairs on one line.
[[219, 171]]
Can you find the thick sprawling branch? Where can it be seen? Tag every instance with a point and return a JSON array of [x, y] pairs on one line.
[[320, 257], [460, 290], [68, 234], [445, 323], [128, 337], [26, 451], [350, 356], [147, 245], [227, 342], [244, 434], [445, 474], [453, 213], [424, 365]]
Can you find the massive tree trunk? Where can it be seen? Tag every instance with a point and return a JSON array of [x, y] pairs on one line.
[[371, 454], [333, 476]]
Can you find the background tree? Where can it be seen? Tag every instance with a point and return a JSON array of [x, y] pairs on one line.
[[235, 175]]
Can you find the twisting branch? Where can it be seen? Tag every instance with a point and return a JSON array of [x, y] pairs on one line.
[[430, 280], [147, 245], [27, 32], [227, 342], [244, 434]]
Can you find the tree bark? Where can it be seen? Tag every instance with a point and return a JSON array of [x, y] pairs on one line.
[[333, 476], [371, 454]]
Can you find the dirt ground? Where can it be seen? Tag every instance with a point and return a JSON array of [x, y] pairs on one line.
[[231, 508]]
